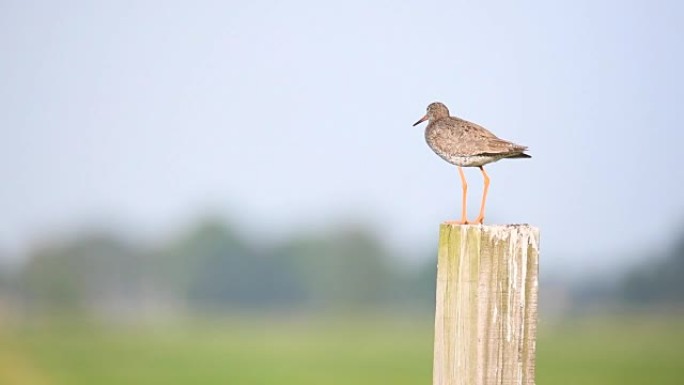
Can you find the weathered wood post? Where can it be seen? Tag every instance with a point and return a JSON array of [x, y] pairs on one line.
[[486, 313]]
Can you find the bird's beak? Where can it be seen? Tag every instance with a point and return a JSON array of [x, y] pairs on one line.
[[424, 118]]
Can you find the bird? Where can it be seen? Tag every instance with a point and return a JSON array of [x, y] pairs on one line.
[[466, 144]]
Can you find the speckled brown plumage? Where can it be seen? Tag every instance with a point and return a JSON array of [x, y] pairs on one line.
[[466, 144]]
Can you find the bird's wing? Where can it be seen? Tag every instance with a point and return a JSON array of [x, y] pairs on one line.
[[477, 136], [470, 128], [496, 146]]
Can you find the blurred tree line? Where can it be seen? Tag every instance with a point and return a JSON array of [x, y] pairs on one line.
[[213, 268], [660, 280], [656, 283]]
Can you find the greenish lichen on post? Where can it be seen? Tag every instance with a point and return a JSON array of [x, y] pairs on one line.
[[486, 305]]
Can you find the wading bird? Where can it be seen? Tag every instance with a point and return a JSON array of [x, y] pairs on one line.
[[466, 144]]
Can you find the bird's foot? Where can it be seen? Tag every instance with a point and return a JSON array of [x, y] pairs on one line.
[[479, 220]]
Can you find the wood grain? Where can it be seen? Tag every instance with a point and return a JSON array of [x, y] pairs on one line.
[[486, 308]]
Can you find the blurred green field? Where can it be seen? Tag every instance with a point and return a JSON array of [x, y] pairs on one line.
[[617, 350]]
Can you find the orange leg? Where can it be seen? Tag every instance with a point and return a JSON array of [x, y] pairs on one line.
[[464, 185], [480, 218]]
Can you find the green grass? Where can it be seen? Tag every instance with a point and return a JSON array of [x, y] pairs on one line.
[[617, 350], [626, 350]]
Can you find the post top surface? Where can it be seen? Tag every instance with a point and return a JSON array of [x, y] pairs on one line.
[[517, 231], [510, 226]]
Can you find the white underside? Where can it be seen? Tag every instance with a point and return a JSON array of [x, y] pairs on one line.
[[471, 161]]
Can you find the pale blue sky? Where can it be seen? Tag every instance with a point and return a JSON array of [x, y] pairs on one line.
[[289, 114]]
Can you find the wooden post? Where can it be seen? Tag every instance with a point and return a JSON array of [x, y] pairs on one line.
[[486, 313]]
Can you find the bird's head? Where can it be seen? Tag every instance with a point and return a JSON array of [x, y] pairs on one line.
[[435, 111]]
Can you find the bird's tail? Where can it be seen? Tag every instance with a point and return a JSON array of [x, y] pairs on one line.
[[520, 155]]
